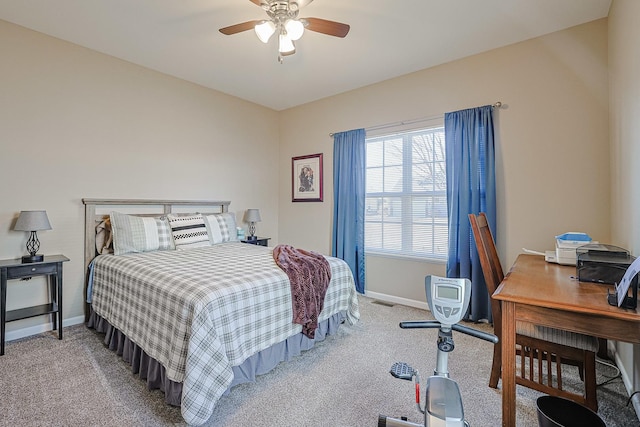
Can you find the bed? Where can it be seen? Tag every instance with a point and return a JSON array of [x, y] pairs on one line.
[[196, 322]]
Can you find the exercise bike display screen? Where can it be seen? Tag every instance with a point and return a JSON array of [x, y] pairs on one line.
[[447, 298], [448, 292]]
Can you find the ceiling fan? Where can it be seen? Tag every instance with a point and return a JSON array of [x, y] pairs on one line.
[[283, 21]]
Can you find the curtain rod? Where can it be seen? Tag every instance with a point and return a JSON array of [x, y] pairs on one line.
[[410, 122]]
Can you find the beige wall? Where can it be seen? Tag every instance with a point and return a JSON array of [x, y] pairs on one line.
[[552, 144], [624, 87], [95, 126], [76, 123]]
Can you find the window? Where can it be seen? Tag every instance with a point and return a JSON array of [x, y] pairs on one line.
[[406, 204]]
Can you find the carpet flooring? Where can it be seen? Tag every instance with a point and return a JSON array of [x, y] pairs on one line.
[[343, 381]]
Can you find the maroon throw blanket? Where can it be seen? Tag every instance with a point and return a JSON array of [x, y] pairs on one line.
[[309, 273]]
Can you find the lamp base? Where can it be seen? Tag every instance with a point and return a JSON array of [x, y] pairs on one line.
[[32, 258]]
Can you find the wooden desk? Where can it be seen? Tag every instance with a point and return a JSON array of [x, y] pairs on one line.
[[547, 294]]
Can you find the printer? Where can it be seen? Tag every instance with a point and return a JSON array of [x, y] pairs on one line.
[[566, 246], [601, 263]]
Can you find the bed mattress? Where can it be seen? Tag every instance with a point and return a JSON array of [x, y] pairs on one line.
[[202, 311]]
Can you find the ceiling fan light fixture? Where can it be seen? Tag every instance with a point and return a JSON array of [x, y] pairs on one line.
[[264, 30], [294, 28], [283, 20], [286, 47]]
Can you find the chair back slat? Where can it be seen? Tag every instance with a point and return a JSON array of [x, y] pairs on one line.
[[490, 263], [489, 259]]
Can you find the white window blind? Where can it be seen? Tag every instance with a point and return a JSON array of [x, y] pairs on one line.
[[406, 204]]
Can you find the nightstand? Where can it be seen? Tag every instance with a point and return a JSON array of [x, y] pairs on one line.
[[260, 241], [50, 266]]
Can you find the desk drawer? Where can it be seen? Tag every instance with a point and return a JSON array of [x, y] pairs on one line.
[[31, 270]]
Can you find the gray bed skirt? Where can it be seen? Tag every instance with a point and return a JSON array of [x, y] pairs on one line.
[[260, 363]]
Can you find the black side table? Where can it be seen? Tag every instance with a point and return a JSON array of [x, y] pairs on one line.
[[259, 241], [50, 266]]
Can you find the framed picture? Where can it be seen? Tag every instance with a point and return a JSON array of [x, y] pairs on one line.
[[306, 178]]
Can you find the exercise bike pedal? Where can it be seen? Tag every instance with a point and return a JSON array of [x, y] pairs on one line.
[[402, 371]]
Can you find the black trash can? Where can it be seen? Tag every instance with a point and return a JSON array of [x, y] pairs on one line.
[[560, 412]]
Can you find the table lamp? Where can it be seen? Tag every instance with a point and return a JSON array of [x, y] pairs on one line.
[[32, 221], [252, 216]]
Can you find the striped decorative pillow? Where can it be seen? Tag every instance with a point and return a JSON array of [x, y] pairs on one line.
[[221, 227], [188, 231], [139, 234]]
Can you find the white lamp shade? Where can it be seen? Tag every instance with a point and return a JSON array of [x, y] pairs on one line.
[[265, 30], [286, 46], [32, 221], [253, 215], [294, 28]]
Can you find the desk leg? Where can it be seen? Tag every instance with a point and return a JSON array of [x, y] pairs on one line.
[[508, 364], [603, 352], [53, 298], [3, 307], [59, 299]]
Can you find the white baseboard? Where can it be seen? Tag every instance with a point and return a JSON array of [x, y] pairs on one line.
[[38, 329], [397, 300], [626, 379]]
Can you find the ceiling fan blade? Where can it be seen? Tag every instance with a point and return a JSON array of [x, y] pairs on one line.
[[323, 26], [238, 28]]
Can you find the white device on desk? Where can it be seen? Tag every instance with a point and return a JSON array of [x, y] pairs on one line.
[[566, 245]]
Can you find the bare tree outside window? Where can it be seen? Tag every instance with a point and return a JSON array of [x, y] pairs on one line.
[[406, 207]]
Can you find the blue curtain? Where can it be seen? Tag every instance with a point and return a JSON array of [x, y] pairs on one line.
[[349, 192], [471, 188]]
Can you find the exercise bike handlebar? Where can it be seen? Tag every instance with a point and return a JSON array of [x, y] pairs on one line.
[[434, 324], [476, 333], [420, 324]]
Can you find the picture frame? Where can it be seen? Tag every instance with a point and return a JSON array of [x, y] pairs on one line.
[[306, 178]]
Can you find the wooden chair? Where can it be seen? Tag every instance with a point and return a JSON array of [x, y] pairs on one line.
[[539, 349]]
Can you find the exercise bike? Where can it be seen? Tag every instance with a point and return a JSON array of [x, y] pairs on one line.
[[448, 301]]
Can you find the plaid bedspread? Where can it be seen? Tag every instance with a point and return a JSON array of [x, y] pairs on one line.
[[200, 312]]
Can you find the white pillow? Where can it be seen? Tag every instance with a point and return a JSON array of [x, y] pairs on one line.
[[139, 234], [221, 227], [188, 231]]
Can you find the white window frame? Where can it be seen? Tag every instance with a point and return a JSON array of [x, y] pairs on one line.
[[405, 196]]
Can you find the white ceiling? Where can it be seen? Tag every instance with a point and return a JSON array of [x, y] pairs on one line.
[[388, 38]]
